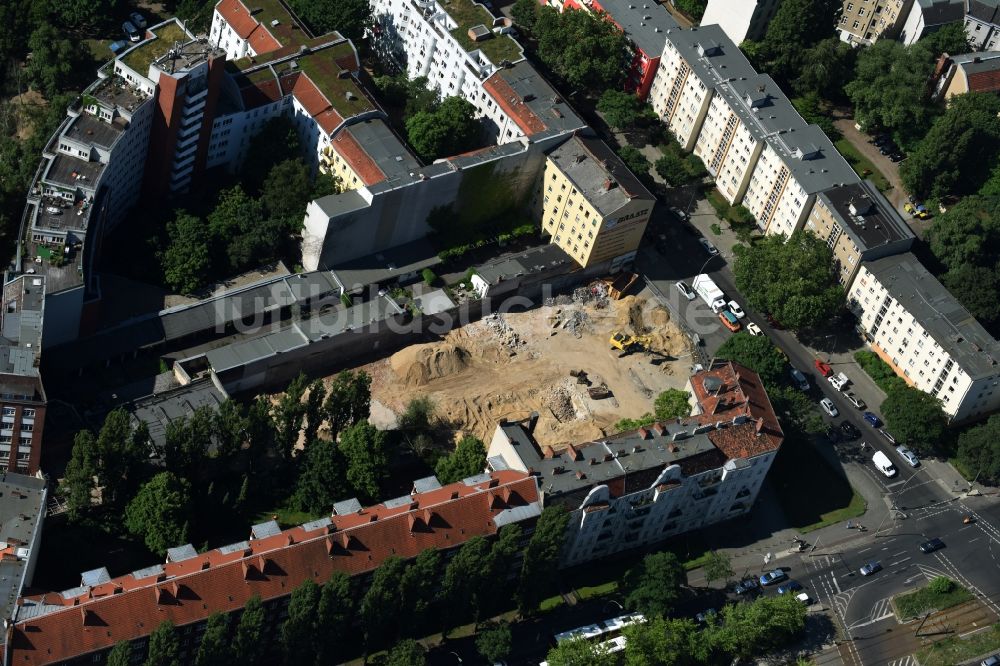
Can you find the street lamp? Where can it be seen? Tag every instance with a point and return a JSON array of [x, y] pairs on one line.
[[621, 609], [455, 655]]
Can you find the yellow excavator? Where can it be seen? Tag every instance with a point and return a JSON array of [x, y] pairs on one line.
[[629, 344]]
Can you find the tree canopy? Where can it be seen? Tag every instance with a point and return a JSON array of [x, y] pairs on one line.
[[756, 352], [468, 459], [450, 129], [493, 643], [159, 512], [979, 450], [672, 404], [653, 585], [585, 49], [796, 26], [541, 558], [164, 646], [915, 418], [186, 261], [621, 109], [580, 652], [718, 566], [364, 448], [793, 280], [349, 17]]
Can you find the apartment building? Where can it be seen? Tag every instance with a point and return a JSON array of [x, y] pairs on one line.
[[84, 623], [928, 338], [982, 24], [740, 19], [22, 395], [645, 24], [927, 16], [640, 487], [591, 205], [968, 72], [22, 515], [367, 153], [859, 225], [866, 21], [694, 62]]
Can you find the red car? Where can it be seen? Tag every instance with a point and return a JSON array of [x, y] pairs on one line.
[[824, 368]]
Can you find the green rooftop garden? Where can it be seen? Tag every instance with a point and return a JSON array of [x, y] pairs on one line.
[[141, 57], [325, 73], [468, 14]]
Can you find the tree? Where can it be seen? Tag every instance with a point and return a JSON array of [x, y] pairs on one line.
[[78, 481], [214, 649], [826, 68], [524, 13], [665, 642], [653, 585], [796, 26], [120, 655], [672, 404], [950, 158], [406, 653], [635, 161], [915, 418], [351, 18], [290, 413], [468, 459], [793, 280], [979, 450], [348, 401], [541, 558], [53, 59], [160, 511], [950, 38], [381, 607], [493, 643], [286, 192], [164, 646], [363, 447], [122, 449], [276, 142], [718, 567], [693, 8], [580, 652], [186, 442], [673, 169], [299, 628], [334, 618], [585, 49], [230, 428], [321, 479], [187, 257], [760, 626], [235, 227], [465, 579], [620, 109], [314, 410], [247, 641], [417, 589], [450, 129], [84, 15], [756, 352]]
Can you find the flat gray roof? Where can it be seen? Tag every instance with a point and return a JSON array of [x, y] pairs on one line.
[[22, 507], [942, 316], [939, 12], [73, 172], [115, 91], [385, 149], [157, 411], [644, 21], [387, 264], [866, 216], [85, 128], [531, 90], [530, 261], [334, 205], [711, 54], [811, 157], [433, 302], [591, 166]]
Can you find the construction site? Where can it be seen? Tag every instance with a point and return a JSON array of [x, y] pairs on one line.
[[583, 361]]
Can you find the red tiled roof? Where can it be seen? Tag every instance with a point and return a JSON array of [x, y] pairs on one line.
[[985, 81], [740, 393], [316, 104], [513, 105], [354, 154], [188, 591], [237, 15]]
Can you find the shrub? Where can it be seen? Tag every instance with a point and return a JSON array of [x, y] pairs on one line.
[[430, 278], [941, 585]]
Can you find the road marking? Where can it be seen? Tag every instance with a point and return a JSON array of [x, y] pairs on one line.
[[864, 549], [908, 660], [900, 561], [902, 552], [976, 539], [967, 527], [897, 483]]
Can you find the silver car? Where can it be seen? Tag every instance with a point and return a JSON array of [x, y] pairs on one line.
[[908, 455]]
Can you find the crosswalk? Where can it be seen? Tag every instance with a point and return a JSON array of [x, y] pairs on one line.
[[908, 660]]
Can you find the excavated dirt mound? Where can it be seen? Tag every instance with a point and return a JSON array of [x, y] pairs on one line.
[[419, 364]]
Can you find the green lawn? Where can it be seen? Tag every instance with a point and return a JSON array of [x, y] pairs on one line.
[[960, 468], [286, 517], [820, 498], [551, 603], [861, 164], [955, 650], [917, 603]]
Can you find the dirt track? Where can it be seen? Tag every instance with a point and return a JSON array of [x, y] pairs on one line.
[[512, 365]]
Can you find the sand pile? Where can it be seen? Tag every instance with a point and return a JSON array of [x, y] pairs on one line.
[[419, 364]]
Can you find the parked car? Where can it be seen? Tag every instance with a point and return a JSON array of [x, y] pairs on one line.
[[908, 455], [799, 379], [991, 661], [685, 289], [747, 585], [931, 545], [832, 434], [873, 420], [849, 430], [772, 577], [729, 320], [829, 407], [118, 46], [131, 31], [823, 368], [735, 308], [870, 568], [708, 247], [790, 586], [888, 436], [137, 19], [896, 157], [839, 381], [804, 598], [754, 329], [854, 400], [705, 615]]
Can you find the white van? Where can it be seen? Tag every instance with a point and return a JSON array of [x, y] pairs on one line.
[[883, 464]]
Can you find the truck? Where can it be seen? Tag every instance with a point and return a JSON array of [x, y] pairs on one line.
[[705, 287]]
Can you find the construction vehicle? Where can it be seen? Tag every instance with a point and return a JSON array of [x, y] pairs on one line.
[[628, 344]]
